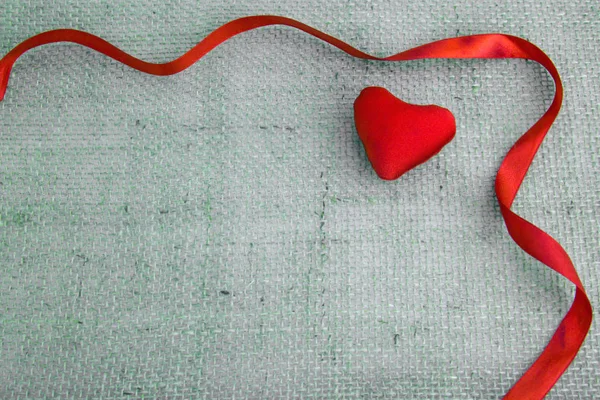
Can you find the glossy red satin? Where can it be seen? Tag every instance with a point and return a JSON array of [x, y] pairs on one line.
[[397, 135], [570, 334]]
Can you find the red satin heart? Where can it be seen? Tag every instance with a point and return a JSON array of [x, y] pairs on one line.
[[398, 136]]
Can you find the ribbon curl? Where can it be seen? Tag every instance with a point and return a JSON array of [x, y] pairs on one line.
[[570, 334]]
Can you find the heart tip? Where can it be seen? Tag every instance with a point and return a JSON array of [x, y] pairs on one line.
[[386, 176], [388, 179]]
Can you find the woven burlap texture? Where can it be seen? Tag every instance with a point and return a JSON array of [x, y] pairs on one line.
[[221, 234]]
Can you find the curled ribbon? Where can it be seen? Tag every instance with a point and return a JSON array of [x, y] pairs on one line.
[[570, 334]]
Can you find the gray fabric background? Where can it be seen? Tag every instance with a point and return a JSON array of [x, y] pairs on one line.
[[220, 233]]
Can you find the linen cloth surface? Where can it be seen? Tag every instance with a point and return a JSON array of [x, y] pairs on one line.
[[220, 233]]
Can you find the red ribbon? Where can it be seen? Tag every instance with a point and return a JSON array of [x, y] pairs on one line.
[[570, 334]]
